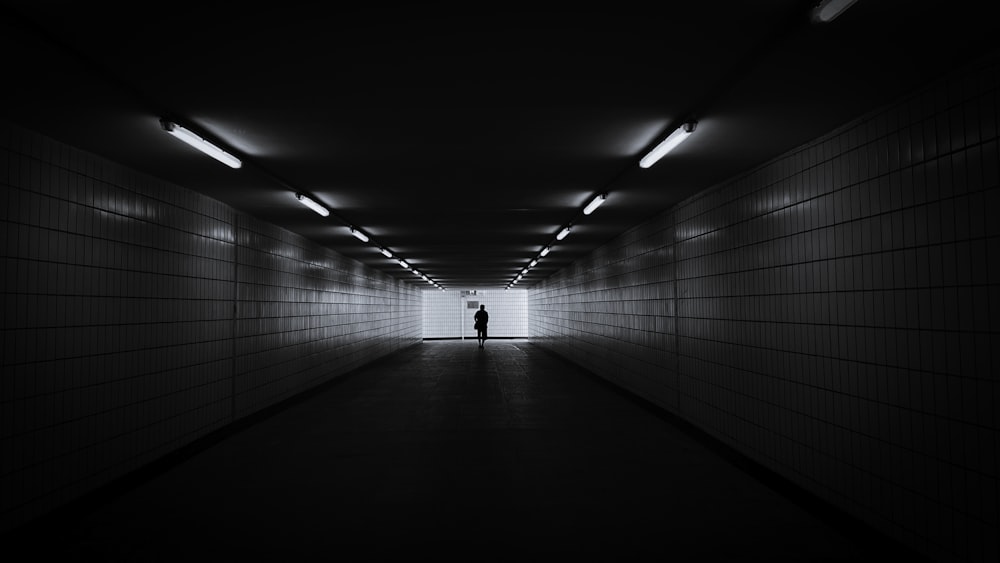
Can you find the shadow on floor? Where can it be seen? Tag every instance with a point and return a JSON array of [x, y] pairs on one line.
[[444, 451]]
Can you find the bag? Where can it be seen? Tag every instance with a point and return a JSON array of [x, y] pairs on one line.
[[478, 325]]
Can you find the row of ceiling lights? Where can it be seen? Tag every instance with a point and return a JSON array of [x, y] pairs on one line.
[[209, 148], [228, 159], [363, 237], [659, 151], [824, 11]]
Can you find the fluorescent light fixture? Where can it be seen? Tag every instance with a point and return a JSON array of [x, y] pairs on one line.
[[196, 141], [385, 252], [562, 234], [312, 204], [403, 263], [524, 271], [668, 144], [359, 235], [828, 10], [545, 251], [594, 204], [533, 263]]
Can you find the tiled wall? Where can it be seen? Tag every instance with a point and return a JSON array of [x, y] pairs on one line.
[[613, 312], [448, 314], [305, 314], [139, 316], [835, 316]]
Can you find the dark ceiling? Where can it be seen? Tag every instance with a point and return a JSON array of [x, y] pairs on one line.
[[464, 140]]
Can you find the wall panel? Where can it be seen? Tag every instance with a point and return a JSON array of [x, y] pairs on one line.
[[139, 316], [831, 314]]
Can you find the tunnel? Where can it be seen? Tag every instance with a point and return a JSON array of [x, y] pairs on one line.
[[798, 363]]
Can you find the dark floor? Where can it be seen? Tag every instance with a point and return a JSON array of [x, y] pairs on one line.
[[447, 452]]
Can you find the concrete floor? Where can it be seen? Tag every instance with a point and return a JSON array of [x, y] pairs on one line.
[[445, 451]]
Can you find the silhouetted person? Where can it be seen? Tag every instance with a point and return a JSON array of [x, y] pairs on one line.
[[482, 318]]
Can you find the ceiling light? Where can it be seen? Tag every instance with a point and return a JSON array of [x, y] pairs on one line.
[[562, 234], [545, 251], [404, 264], [196, 141], [312, 204], [533, 263], [594, 204], [359, 235], [668, 144], [385, 252], [827, 10]]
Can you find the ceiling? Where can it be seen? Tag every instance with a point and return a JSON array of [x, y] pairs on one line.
[[463, 141]]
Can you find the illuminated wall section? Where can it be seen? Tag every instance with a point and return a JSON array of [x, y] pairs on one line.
[[139, 316]]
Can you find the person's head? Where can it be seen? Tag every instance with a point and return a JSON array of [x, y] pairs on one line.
[[482, 307]]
